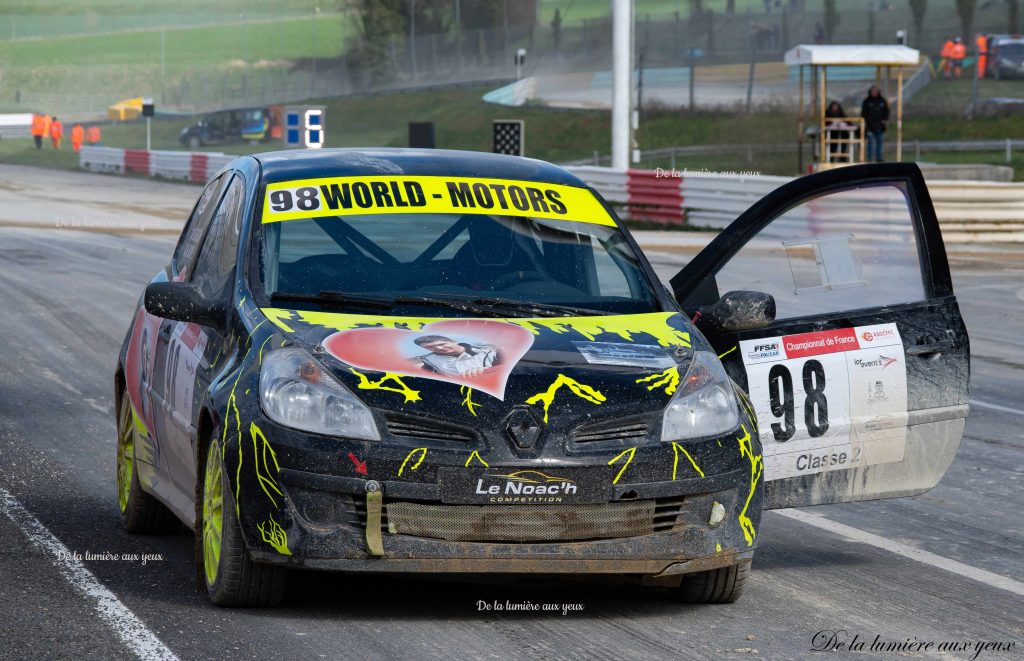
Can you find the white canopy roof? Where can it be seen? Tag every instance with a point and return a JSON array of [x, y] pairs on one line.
[[866, 54]]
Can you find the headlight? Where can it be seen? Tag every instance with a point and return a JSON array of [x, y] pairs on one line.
[[704, 405], [296, 391]]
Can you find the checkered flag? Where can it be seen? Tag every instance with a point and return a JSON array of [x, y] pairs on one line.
[[509, 136]]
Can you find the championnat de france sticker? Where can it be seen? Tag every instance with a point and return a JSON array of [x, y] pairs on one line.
[[828, 400]]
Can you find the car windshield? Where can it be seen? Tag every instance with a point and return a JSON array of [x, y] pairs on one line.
[[1011, 49], [454, 264]]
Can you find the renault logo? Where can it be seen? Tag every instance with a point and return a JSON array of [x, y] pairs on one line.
[[522, 428]]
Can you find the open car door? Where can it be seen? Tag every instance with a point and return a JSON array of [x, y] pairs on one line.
[[860, 382]]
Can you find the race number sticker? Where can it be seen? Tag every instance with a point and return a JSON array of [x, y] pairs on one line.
[[828, 400]]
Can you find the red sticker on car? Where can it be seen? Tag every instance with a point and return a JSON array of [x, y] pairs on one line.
[[820, 342]]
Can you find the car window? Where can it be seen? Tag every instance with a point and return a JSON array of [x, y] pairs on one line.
[[220, 249], [845, 250], [195, 228], [400, 255]]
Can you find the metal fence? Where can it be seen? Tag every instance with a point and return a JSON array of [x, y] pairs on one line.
[[327, 61]]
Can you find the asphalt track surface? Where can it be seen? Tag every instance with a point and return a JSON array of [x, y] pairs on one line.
[[66, 296]]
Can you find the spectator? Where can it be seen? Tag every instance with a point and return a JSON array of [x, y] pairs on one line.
[[77, 136], [946, 57], [959, 53], [38, 129], [875, 112], [982, 44], [556, 29], [819, 33], [835, 112], [92, 135], [56, 132]]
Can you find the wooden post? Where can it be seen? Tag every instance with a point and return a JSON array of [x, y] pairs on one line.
[[822, 89], [899, 115], [800, 128]]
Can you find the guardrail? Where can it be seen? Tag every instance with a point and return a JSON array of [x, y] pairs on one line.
[[645, 194], [15, 125], [974, 211], [181, 165], [751, 150]]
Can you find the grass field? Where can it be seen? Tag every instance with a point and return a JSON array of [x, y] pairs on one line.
[[462, 121], [576, 11], [258, 43]]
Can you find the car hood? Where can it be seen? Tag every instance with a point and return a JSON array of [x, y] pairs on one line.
[[573, 376]]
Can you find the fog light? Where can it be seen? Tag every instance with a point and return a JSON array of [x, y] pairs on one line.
[[717, 514]]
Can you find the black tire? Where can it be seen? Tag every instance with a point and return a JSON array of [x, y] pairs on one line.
[[195, 142], [140, 512], [718, 586], [239, 581]]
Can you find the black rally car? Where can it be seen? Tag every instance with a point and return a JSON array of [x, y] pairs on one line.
[[433, 361]]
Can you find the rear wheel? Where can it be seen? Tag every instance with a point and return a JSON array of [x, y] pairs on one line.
[[140, 512], [232, 578], [717, 586]]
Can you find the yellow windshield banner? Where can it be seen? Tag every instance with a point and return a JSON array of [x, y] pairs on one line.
[[350, 196]]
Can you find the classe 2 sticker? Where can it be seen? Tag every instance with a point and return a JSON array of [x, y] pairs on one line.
[[828, 400], [332, 196]]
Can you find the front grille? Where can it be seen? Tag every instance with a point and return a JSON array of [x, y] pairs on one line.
[[531, 523], [668, 512], [614, 430], [426, 429]]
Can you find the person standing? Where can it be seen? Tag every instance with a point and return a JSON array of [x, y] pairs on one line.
[[38, 129], [982, 44], [77, 136], [946, 58], [556, 29], [875, 112], [56, 132], [92, 136], [959, 53]]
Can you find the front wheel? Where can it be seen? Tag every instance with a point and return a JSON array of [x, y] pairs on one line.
[[232, 578], [717, 586], [194, 142]]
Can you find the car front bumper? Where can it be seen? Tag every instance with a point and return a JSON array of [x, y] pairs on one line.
[[649, 525]]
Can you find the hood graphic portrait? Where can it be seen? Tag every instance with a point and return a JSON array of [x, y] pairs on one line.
[[476, 353]]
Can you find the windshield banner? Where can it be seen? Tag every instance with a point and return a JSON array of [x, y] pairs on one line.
[[348, 196]]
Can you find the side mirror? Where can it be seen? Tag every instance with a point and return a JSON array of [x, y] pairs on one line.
[[181, 301], [737, 311]]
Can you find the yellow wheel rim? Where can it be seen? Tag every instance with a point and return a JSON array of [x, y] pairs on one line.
[[125, 453], [213, 512]]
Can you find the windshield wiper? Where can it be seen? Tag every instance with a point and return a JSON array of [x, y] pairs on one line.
[[495, 307], [334, 297], [538, 309], [337, 298], [454, 303]]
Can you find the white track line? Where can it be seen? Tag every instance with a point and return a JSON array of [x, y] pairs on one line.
[[996, 407], [857, 535], [142, 642]]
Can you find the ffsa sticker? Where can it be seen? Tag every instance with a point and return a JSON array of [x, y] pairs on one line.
[[828, 400]]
